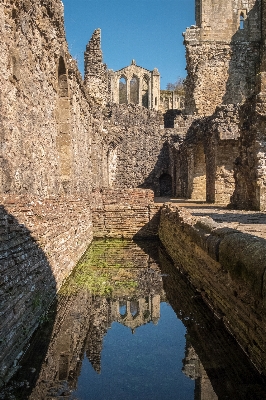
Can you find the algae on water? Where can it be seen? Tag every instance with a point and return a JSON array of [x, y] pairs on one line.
[[103, 270]]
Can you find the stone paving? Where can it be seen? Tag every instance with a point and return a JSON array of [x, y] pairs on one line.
[[252, 222]]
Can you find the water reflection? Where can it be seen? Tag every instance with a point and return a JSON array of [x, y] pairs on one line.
[[124, 288]]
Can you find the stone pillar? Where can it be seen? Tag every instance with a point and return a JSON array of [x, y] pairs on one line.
[[149, 95]]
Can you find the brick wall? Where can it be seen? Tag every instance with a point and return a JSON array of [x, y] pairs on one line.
[[127, 214], [41, 242]]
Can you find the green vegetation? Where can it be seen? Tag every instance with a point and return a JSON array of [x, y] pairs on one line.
[[100, 272]]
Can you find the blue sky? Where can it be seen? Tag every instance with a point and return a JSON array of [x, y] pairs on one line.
[[150, 31]]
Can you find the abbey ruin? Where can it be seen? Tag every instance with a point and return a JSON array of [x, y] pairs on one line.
[[76, 161]]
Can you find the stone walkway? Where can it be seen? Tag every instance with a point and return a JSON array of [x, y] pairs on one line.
[[252, 222]]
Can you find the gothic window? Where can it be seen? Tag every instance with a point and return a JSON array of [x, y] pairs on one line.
[[122, 90], [134, 90], [242, 20], [122, 308], [145, 92]]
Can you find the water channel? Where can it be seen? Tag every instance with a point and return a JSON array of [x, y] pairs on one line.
[[127, 325]]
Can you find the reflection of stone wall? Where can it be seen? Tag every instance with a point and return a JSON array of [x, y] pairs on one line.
[[228, 267], [82, 321], [41, 243], [213, 357]]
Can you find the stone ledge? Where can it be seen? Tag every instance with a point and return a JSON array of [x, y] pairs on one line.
[[242, 254]]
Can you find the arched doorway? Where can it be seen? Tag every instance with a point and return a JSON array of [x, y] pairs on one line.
[[165, 182]]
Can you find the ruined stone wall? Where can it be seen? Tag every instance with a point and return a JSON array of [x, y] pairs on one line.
[[205, 159], [147, 86], [250, 171], [41, 242], [125, 214], [47, 118], [96, 75], [226, 266], [136, 147], [222, 58]]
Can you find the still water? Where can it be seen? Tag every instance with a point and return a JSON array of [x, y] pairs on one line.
[[127, 325]]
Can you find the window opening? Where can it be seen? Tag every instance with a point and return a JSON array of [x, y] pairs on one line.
[[145, 92], [242, 20], [122, 91], [134, 90]]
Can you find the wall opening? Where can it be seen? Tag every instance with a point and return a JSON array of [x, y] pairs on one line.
[[242, 20], [122, 90], [165, 182], [122, 308], [134, 308], [199, 174], [64, 136], [145, 92], [134, 90]]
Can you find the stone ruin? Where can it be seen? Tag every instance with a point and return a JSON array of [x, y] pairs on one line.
[[65, 140], [211, 149]]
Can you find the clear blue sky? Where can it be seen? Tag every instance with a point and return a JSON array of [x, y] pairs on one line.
[[150, 31]]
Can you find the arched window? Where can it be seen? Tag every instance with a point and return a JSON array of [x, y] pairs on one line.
[[62, 79], [122, 90], [145, 92], [122, 308], [134, 308], [242, 20], [134, 90]]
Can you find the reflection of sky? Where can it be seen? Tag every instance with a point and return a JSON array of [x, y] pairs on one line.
[[146, 365]]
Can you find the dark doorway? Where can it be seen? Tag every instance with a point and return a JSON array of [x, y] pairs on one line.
[[165, 182]]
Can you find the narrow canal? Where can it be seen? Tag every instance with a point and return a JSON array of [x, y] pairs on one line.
[[127, 325]]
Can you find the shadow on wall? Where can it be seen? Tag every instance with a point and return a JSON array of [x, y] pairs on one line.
[[169, 118], [160, 180], [27, 289]]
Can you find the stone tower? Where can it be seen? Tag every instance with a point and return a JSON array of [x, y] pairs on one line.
[[222, 51], [96, 79]]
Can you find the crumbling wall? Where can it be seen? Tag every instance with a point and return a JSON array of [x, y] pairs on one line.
[[206, 158], [250, 171], [96, 75], [47, 117], [222, 56], [136, 147]]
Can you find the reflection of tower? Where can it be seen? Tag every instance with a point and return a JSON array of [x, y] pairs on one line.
[[194, 370], [137, 311]]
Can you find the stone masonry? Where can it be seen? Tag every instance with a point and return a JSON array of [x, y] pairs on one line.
[[72, 157]]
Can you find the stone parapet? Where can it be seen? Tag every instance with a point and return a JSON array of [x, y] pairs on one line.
[[227, 267]]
